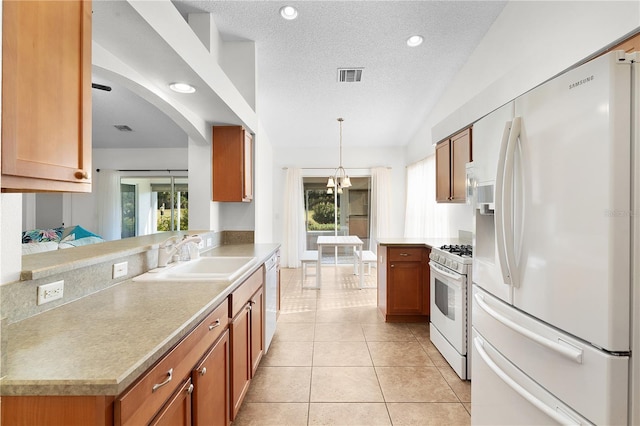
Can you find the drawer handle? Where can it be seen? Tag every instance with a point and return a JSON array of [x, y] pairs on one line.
[[252, 302], [214, 325], [404, 254], [159, 385], [203, 371], [190, 390]]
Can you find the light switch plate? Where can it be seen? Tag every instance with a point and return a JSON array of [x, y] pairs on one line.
[[50, 292], [120, 269]]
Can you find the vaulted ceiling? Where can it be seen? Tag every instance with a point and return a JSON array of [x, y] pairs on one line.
[[298, 94]]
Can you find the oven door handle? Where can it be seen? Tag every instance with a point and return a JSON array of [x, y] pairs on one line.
[[446, 274]]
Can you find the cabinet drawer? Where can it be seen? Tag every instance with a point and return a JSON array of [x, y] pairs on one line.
[[405, 254], [242, 294], [142, 401]]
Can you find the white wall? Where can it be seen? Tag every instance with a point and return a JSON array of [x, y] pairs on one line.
[[264, 188], [529, 43], [327, 158]]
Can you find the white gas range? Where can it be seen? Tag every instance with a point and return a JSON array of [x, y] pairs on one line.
[[450, 314]]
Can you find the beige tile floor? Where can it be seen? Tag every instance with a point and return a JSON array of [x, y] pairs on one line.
[[333, 361]]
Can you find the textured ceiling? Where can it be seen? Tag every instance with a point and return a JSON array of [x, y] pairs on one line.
[[298, 96]]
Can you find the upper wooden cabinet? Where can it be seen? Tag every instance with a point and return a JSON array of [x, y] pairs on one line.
[[452, 155], [46, 96], [232, 164], [631, 44]]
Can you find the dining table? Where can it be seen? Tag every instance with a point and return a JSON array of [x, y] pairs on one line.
[[340, 241]]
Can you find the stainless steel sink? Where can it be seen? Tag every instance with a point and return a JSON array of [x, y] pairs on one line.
[[221, 268]]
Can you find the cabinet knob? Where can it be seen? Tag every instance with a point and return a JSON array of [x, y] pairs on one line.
[[393, 265], [81, 174], [404, 254], [203, 371], [190, 390]]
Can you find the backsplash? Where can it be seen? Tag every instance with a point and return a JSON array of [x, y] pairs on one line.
[[18, 300]]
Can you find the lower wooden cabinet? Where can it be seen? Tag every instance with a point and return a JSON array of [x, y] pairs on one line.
[[240, 357], [247, 336], [403, 283], [201, 381], [211, 386], [257, 329], [177, 411]]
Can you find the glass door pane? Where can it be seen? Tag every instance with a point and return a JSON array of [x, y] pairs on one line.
[[129, 211], [160, 203], [326, 216]]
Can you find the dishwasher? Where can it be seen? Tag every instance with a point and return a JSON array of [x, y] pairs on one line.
[[271, 297]]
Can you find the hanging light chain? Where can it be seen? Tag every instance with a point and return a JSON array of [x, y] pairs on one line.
[[340, 179]]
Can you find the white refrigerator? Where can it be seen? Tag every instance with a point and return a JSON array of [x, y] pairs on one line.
[[554, 260]]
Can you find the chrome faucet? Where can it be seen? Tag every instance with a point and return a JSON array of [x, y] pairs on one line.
[[169, 248]]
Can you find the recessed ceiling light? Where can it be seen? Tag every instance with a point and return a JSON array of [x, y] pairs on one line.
[[414, 41], [288, 12], [182, 88]]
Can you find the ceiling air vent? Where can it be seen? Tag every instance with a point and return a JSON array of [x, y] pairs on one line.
[[349, 75], [123, 127]]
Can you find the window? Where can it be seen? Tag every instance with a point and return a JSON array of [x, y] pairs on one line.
[[154, 204]]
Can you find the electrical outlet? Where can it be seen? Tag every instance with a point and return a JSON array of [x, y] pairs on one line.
[[120, 269], [50, 292]]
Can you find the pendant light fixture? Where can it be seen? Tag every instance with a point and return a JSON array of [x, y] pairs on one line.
[[340, 179]]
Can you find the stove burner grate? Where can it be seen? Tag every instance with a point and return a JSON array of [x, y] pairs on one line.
[[460, 250]]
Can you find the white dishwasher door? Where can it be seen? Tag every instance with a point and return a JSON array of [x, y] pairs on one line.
[[271, 296]]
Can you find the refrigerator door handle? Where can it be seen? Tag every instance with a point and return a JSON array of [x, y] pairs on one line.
[[507, 200], [556, 414], [568, 351], [499, 206]]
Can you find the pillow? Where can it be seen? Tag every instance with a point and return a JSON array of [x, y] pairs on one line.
[[68, 243], [31, 248], [77, 232], [42, 235]]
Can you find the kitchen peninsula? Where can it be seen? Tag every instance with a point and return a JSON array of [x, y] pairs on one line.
[[82, 359]]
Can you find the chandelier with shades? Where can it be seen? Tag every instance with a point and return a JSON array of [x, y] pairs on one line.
[[340, 179]]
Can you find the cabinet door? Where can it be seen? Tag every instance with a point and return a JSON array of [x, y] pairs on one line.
[[257, 329], [443, 172], [177, 412], [211, 386], [46, 96], [232, 163], [460, 156], [405, 287], [240, 358], [248, 167]]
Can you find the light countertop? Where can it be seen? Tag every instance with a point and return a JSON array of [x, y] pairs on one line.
[[423, 242], [100, 344]]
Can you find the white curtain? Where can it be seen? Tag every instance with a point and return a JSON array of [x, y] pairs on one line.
[[423, 216], [109, 209], [380, 223], [294, 232]]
